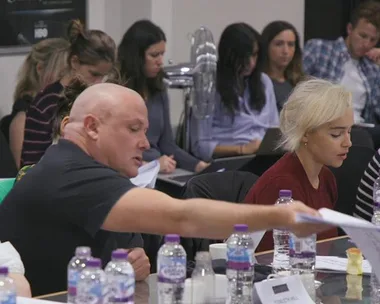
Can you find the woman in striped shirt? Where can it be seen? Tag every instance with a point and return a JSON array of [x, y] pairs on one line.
[[91, 56]]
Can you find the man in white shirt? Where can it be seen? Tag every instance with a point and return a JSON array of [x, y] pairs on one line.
[[10, 258]]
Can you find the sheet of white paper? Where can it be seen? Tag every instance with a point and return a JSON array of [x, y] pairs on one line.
[[288, 289], [364, 234], [22, 300], [257, 236], [338, 264], [147, 175]]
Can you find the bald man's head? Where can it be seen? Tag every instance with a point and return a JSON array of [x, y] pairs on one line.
[[104, 100], [109, 122]]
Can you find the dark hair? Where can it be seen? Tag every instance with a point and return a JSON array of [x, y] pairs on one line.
[[235, 49], [131, 56], [66, 100], [368, 10], [294, 71], [90, 46]]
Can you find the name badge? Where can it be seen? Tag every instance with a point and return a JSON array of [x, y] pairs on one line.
[[281, 290]]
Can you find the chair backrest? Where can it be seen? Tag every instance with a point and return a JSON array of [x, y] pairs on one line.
[[5, 123], [8, 166], [348, 177], [361, 137], [230, 186]]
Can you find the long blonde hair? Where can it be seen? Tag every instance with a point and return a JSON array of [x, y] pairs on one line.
[[51, 54]]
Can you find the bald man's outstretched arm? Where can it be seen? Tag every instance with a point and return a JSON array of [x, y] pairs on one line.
[[151, 211]]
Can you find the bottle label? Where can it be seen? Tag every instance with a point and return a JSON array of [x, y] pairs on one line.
[[172, 270], [239, 258], [73, 276], [301, 248], [8, 298], [122, 290], [90, 294]]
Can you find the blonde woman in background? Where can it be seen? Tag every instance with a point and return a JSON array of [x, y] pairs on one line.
[[44, 65], [316, 132]]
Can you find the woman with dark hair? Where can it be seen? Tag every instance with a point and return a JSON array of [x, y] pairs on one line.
[[140, 57], [282, 58], [91, 56], [245, 105]]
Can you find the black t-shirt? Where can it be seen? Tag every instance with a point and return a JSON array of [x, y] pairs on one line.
[[61, 203]]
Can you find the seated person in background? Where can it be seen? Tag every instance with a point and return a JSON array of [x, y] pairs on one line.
[[282, 58], [91, 57], [317, 134], [140, 55], [10, 258], [364, 197], [44, 65], [245, 104], [91, 200], [344, 61]]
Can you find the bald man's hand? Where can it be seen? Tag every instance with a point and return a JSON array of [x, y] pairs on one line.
[[167, 164], [139, 262]]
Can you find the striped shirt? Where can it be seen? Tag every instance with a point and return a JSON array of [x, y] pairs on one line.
[[39, 124], [364, 197]]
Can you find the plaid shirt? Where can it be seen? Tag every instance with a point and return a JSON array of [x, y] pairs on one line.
[[325, 59]]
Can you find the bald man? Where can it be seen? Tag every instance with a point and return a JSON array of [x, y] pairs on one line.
[[80, 194]]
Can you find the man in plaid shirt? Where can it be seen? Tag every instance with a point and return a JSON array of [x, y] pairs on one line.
[[344, 61]]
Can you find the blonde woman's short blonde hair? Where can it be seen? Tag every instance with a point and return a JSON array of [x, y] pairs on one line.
[[312, 103]]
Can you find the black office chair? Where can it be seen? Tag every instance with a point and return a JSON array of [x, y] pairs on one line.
[[8, 166], [348, 177], [361, 137], [230, 186]]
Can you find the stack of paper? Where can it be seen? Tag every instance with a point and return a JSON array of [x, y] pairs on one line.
[[337, 264], [364, 234]]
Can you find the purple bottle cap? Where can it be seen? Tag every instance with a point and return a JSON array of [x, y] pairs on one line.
[[120, 254], [4, 270], [83, 251], [241, 228], [94, 262], [376, 204], [285, 193], [172, 238]]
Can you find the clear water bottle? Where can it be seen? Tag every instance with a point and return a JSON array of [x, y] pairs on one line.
[[302, 255], [375, 286], [91, 283], [75, 267], [171, 270], [7, 288], [120, 278], [240, 268], [202, 279], [281, 238]]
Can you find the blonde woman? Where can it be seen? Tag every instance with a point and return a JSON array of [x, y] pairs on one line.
[[44, 65], [316, 132]]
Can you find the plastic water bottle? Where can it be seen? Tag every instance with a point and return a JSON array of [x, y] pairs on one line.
[[120, 278], [375, 286], [240, 268], [91, 283], [7, 288], [171, 269], [302, 255], [281, 238], [76, 265], [203, 279]]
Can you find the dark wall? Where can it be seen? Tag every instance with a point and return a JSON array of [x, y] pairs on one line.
[[327, 19]]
